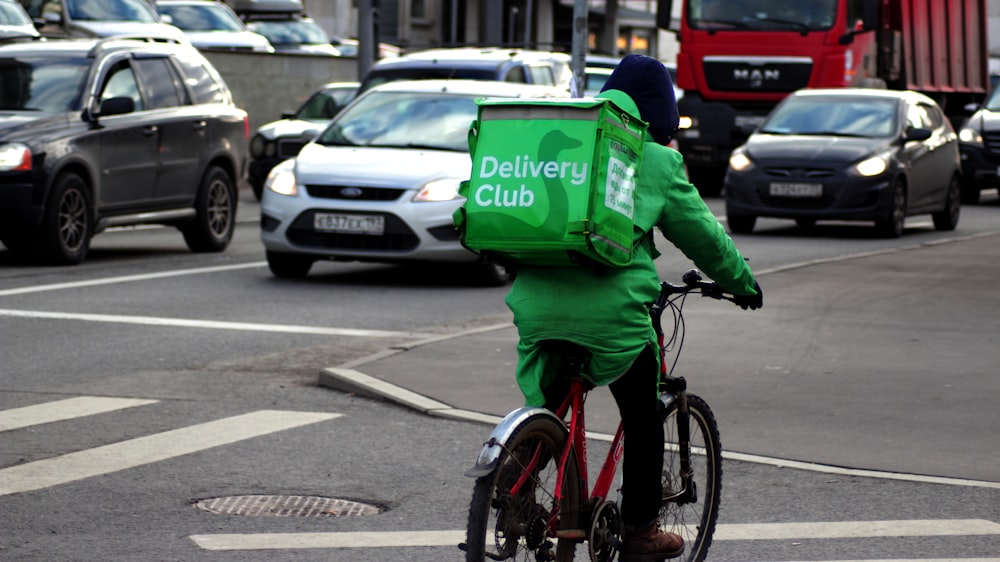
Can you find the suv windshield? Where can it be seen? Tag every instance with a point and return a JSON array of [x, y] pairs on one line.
[[47, 84], [405, 120], [110, 10]]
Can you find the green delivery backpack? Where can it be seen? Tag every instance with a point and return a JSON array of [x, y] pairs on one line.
[[553, 181]]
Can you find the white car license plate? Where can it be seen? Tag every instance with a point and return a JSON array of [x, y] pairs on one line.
[[782, 189], [352, 224]]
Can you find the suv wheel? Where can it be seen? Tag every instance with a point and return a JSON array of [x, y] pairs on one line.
[[68, 224], [212, 228]]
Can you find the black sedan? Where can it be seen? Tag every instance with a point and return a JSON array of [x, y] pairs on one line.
[[848, 154]]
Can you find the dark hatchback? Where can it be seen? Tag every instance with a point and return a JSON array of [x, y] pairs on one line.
[[979, 144], [848, 154], [99, 133]]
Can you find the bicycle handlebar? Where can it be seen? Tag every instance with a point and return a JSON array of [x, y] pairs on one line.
[[693, 283]]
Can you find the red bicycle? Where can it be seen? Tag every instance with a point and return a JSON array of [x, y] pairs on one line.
[[532, 499]]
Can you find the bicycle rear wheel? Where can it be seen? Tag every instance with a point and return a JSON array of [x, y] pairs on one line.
[[692, 510], [507, 527]]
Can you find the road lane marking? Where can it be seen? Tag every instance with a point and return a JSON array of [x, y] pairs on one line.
[[213, 324], [61, 410], [152, 448], [128, 278], [737, 532]]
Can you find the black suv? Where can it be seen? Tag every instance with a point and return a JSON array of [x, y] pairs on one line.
[[109, 132]]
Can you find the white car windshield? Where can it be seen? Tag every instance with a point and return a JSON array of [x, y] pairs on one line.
[[405, 120]]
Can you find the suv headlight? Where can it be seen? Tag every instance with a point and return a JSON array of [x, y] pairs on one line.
[[281, 179], [968, 135], [438, 190], [15, 157]]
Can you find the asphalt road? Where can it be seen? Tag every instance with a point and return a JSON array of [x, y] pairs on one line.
[[858, 407]]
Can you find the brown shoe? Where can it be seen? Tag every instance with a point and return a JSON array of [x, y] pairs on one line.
[[650, 543]]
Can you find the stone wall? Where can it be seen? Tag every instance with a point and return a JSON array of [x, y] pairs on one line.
[[265, 85]]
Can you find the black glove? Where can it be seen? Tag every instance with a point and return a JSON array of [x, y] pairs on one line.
[[753, 302]]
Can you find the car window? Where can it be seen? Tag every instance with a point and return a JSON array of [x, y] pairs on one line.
[[200, 82], [160, 82], [110, 10], [202, 18], [52, 85], [516, 74], [541, 75], [11, 14], [121, 83], [403, 119], [932, 116], [917, 117], [323, 105]]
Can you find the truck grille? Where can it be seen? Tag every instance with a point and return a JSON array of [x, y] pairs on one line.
[[757, 75]]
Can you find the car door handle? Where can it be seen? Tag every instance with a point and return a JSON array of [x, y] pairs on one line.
[[150, 130], [199, 125]]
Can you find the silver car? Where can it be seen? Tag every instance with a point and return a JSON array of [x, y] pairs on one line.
[[380, 183]]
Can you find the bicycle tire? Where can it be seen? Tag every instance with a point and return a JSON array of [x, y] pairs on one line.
[[694, 520], [512, 528]]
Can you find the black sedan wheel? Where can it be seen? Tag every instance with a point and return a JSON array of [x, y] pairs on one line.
[[891, 226], [741, 224], [68, 226], [947, 218], [213, 225]]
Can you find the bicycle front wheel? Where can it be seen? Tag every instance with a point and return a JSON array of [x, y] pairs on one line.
[[508, 526], [691, 505]]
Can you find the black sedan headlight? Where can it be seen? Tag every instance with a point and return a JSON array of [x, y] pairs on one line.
[[261, 147]]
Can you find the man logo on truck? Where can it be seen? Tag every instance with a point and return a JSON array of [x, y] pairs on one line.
[[756, 76]]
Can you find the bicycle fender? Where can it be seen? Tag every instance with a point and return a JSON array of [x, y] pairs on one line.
[[488, 456]]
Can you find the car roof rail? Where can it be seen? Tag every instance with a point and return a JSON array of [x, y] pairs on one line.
[[106, 42]]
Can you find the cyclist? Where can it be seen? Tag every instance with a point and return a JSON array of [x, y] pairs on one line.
[[606, 310]]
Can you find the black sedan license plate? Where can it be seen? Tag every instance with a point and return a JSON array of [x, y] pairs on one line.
[[350, 224], [785, 189]]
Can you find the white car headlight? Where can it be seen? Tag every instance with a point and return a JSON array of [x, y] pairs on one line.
[[969, 135], [871, 167], [281, 179], [15, 156], [438, 190], [740, 162]]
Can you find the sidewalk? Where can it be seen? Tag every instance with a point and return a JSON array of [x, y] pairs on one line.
[[884, 362]]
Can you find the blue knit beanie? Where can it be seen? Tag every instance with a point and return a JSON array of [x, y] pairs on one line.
[[648, 83]]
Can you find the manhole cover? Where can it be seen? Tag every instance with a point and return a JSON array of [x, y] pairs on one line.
[[285, 506]]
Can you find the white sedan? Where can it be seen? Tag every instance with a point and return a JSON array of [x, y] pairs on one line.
[[380, 183]]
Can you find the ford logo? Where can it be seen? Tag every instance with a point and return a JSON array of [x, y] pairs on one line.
[[351, 192]]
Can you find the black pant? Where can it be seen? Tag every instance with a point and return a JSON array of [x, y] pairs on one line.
[[639, 408]]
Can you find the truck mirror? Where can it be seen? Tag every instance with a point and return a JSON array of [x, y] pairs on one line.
[[664, 13], [847, 38]]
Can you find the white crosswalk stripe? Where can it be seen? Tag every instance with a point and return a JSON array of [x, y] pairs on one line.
[[731, 532], [133, 452], [62, 410]]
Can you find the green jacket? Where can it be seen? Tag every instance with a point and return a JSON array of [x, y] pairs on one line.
[[607, 310]]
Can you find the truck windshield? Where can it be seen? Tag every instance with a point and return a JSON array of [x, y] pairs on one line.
[[761, 15]]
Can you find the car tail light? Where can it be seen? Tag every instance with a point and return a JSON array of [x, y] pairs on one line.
[[246, 127]]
